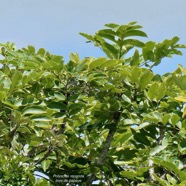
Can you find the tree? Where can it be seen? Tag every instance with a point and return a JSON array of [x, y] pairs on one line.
[[110, 119]]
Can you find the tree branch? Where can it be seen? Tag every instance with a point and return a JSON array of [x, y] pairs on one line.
[[46, 155], [106, 146]]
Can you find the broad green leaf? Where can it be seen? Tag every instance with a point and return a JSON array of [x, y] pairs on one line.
[[135, 60], [129, 174], [181, 98], [147, 51], [156, 91], [41, 51], [40, 118], [126, 98], [161, 181], [2, 95], [182, 69], [110, 63], [135, 33], [174, 40], [180, 81], [140, 138], [81, 65], [43, 124], [145, 78], [45, 164], [31, 49], [34, 110], [111, 25], [74, 57], [171, 167], [183, 183], [174, 118], [123, 138], [59, 96], [40, 58], [24, 129], [153, 116], [171, 179], [75, 108], [87, 36], [16, 79], [133, 42], [135, 74], [56, 105], [111, 51], [108, 34], [157, 149], [27, 100], [96, 63]]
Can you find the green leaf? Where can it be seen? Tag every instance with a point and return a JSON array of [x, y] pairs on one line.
[[111, 51], [171, 179], [43, 124], [2, 95], [75, 108], [34, 110], [135, 33], [174, 40], [45, 164], [110, 63], [182, 69], [135, 74], [171, 167], [41, 51], [147, 51], [180, 81], [108, 34], [126, 98], [174, 118], [27, 100], [128, 174], [133, 42], [146, 77], [156, 91], [123, 138], [31, 49], [56, 105], [96, 63], [87, 36], [81, 65], [157, 149], [111, 25], [16, 79], [161, 181], [74, 57], [39, 117], [141, 138], [59, 96], [135, 59]]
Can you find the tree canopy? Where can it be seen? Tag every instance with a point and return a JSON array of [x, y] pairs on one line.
[[93, 121]]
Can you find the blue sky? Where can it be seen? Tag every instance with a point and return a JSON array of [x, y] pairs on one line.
[[55, 24]]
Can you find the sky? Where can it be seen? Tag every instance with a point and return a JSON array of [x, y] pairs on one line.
[[55, 24]]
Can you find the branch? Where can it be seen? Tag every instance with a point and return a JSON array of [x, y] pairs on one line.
[[106, 146], [46, 155], [151, 163]]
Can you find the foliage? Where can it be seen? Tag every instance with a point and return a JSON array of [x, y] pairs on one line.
[[109, 119]]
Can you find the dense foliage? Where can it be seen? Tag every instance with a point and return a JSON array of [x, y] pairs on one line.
[[108, 119]]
